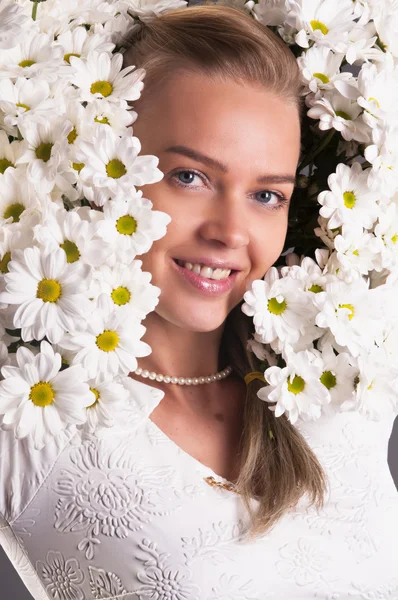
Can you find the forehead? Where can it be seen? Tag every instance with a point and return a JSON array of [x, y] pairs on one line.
[[223, 118]]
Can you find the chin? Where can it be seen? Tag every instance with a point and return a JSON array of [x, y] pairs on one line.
[[199, 320]]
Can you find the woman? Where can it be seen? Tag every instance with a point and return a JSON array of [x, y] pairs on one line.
[[203, 493]]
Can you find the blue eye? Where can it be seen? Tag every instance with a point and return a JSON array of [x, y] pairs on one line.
[[271, 200], [186, 172]]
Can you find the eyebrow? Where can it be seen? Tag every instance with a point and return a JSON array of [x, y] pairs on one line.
[[212, 162]]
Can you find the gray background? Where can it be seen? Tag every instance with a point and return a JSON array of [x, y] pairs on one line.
[[13, 588]]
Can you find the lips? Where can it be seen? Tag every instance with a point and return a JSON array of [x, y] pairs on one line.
[[208, 287]]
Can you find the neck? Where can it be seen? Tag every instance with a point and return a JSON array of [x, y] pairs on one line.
[[180, 352]]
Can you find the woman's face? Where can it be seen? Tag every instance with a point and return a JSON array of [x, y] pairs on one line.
[[229, 154]]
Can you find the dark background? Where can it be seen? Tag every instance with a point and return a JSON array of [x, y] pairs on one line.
[[12, 587]]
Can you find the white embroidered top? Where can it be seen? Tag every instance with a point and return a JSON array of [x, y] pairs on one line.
[[125, 513]]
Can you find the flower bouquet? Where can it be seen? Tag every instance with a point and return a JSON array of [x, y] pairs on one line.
[[72, 292]]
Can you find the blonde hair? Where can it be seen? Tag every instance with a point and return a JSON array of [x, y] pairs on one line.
[[225, 42]]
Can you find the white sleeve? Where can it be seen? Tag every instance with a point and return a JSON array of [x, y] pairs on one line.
[[23, 469]]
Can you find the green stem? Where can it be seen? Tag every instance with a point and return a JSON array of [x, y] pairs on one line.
[[34, 10], [318, 150]]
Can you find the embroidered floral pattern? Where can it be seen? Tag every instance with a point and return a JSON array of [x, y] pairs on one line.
[[162, 580], [232, 588], [105, 584], [214, 544], [301, 562], [107, 493], [62, 578]]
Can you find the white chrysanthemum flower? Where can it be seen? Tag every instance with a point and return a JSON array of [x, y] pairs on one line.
[[269, 12], [356, 250], [101, 76], [112, 164], [349, 201], [17, 198], [48, 293], [339, 113], [76, 236], [148, 9], [125, 287], [24, 98], [281, 310], [130, 227], [322, 21], [109, 346], [46, 155], [386, 236], [360, 46], [108, 398], [387, 28], [338, 376], [101, 113], [14, 238], [9, 152], [38, 400], [353, 313], [261, 351], [91, 12], [377, 388], [377, 90], [80, 43], [13, 25], [36, 56], [383, 156], [296, 389], [320, 68], [310, 275]]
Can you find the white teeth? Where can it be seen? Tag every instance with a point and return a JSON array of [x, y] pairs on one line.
[[205, 271]]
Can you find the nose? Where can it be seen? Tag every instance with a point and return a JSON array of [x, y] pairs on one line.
[[226, 223]]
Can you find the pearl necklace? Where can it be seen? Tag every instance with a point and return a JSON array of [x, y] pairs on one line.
[[184, 380]]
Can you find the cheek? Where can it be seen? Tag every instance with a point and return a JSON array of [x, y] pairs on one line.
[[268, 244]]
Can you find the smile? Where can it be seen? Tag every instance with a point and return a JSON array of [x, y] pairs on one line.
[[209, 281]]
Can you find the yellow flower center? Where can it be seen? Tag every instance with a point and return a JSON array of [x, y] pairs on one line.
[[14, 211], [71, 251], [4, 164], [78, 166], [107, 341], [350, 308], [102, 87], [394, 238], [328, 379], [355, 252], [319, 25], [343, 115], [42, 394], [275, 307], [49, 290], [104, 120], [315, 288], [26, 63], [296, 386], [115, 168], [4, 262], [44, 151], [324, 78], [349, 199], [67, 56], [96, 394], [121, 295], [126, 225], [72, 136]]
